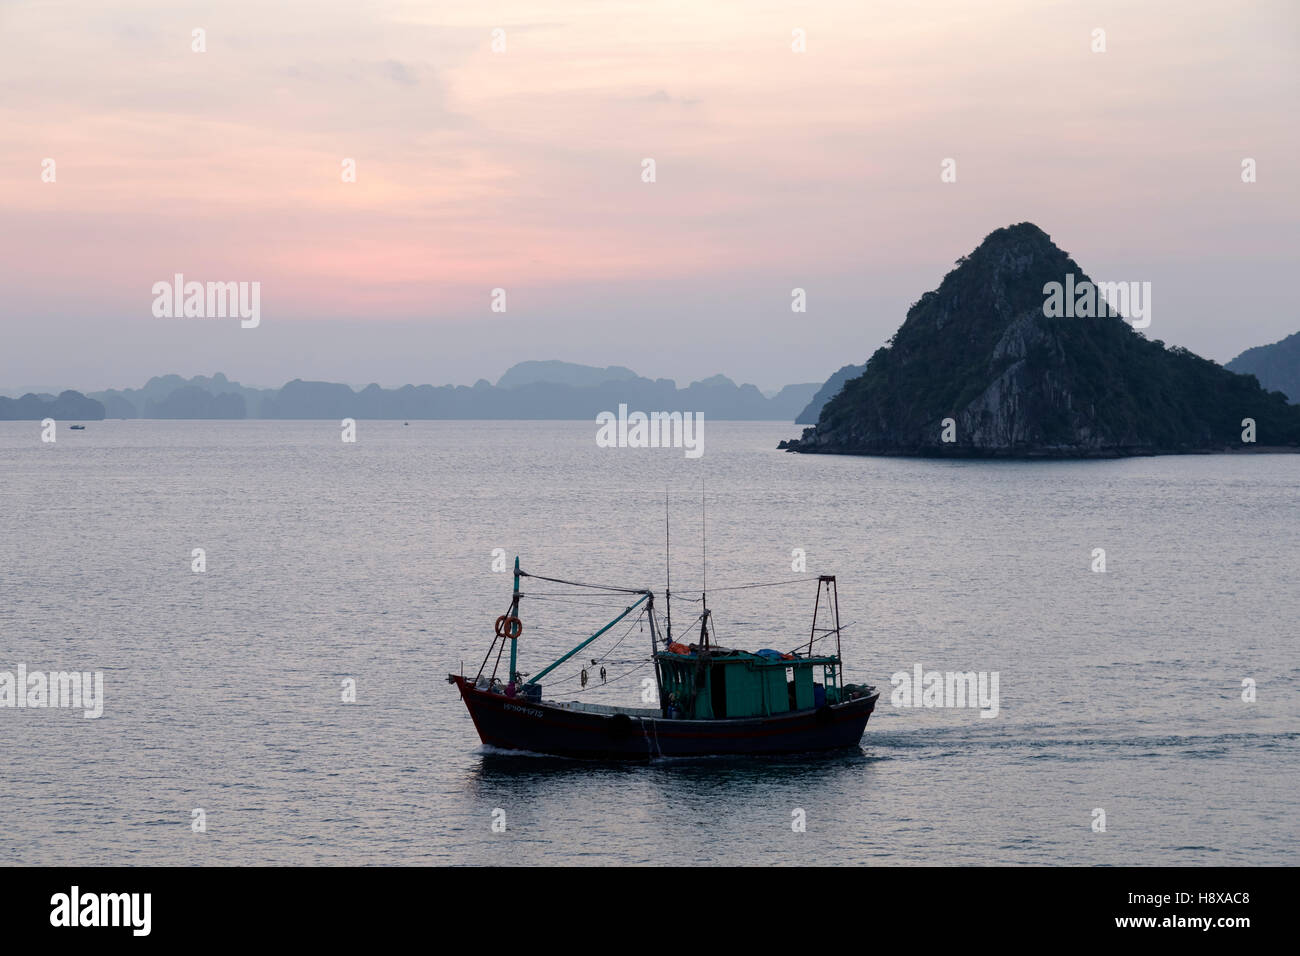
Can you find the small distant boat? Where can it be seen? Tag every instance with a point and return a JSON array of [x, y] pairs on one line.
[[77, 428], [712, 700]]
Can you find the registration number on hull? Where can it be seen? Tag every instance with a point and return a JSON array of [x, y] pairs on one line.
[[531, 712]]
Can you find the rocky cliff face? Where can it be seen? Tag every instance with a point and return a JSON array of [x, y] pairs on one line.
[[978, 368]]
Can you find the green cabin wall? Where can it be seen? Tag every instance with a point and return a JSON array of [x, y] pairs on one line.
[[704, 702], [750, 688], [774, 686], [803, 688]]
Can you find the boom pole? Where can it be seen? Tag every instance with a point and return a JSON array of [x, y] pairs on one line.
[[639, 601]]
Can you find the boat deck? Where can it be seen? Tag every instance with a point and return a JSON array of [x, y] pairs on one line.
[[603, 709]]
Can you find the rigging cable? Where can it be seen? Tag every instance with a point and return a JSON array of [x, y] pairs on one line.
[[582, 584], [764, 584]]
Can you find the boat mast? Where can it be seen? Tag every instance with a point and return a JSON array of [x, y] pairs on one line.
[[668, 571], [654, 656], [704, 560], [838, 653], [832, 593], [514, 612]]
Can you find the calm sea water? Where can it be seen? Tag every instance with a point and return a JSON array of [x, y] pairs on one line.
[[327, 561]]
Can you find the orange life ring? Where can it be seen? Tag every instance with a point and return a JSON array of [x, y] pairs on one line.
[[509, 626]]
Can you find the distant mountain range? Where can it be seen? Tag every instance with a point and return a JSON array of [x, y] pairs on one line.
[[66, 405], [563, 373], [1005, 370], [979, 368], [1277, 366], [529, 390]]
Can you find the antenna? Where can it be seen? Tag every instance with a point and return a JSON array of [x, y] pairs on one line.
[[704, 553], [668, 571]]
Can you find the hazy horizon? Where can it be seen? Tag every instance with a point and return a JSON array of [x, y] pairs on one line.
[[16, 391]]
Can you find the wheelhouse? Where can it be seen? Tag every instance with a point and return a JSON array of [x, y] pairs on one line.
[[716, 683]]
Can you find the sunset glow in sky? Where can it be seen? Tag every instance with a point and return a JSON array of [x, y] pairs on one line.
[[522, 170]]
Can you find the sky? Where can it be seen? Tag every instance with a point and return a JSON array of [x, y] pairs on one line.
[[523, 169]]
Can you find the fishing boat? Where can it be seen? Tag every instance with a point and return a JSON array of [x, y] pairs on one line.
[[711, 700]]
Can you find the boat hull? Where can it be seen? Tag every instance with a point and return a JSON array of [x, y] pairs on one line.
[[512, 723]]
